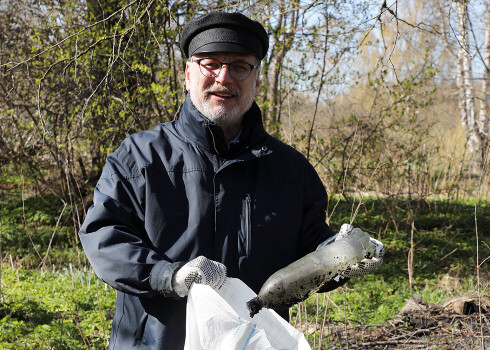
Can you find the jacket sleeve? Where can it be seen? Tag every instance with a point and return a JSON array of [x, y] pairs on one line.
[[114, 238], [314, 229]]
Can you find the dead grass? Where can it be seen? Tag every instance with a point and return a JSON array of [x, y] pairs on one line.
[[461, 323]]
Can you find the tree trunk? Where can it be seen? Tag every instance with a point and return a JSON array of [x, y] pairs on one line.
[[283, 32], [466, 94], [484, 116]]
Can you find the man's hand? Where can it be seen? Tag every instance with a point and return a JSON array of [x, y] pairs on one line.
[[366, 265], [369, 263], [200, 270]]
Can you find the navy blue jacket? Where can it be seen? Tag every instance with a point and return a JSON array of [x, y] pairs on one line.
[[171, 194]]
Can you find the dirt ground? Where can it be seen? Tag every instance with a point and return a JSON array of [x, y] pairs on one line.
[[461, 323]]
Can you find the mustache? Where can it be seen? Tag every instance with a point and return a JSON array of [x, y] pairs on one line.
[[222, 89]]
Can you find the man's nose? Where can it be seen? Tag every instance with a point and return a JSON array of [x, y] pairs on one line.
[[224, 75]]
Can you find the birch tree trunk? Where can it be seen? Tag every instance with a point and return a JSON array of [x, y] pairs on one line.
[[466, 94], [484, 114]]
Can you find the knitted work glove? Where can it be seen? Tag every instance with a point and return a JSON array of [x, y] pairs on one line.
[[200, 270], [366, 265], [369, 263]]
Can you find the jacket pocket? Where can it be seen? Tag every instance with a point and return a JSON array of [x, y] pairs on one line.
[[245, 238], [138, 334]]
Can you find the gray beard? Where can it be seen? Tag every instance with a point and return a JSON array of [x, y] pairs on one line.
[[222, 116], [217, 116]]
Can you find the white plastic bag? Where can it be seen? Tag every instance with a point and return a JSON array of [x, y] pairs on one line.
[[219, 320]]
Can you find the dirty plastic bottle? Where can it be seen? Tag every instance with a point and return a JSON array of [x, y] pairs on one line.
[[307, 275]]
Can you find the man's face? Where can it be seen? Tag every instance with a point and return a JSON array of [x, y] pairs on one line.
[[222, 99]]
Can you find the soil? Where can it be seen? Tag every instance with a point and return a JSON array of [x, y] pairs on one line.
[[461, 323]]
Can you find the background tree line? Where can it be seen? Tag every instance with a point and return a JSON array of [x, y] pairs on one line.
[[370, 92]]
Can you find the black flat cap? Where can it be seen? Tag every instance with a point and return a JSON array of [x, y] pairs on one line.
[[224, 32]]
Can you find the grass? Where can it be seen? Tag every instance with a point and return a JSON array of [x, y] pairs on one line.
[[54, 309], [64, 306]]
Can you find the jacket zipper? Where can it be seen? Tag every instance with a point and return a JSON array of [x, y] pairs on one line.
[[217, 165], [212, 136], [248, 224]]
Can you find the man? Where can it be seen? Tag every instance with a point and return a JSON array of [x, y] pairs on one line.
[[206, 196]]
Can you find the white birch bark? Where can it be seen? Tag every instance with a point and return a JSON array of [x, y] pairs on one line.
[[484, 114], [466, 93]]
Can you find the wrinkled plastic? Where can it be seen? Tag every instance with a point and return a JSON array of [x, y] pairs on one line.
[[305, 276], [219, 320]]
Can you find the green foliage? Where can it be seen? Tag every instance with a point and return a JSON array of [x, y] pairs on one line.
[[443, 231], [385, 148], [54, 309], [116, 69], [29, 225]]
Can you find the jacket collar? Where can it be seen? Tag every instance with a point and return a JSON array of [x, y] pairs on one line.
[[199, 130]]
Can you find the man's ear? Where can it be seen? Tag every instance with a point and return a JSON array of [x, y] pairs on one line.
[[257, 83], [187, 77]]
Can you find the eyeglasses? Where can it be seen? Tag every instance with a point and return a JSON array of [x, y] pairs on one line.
[[211, 67]]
